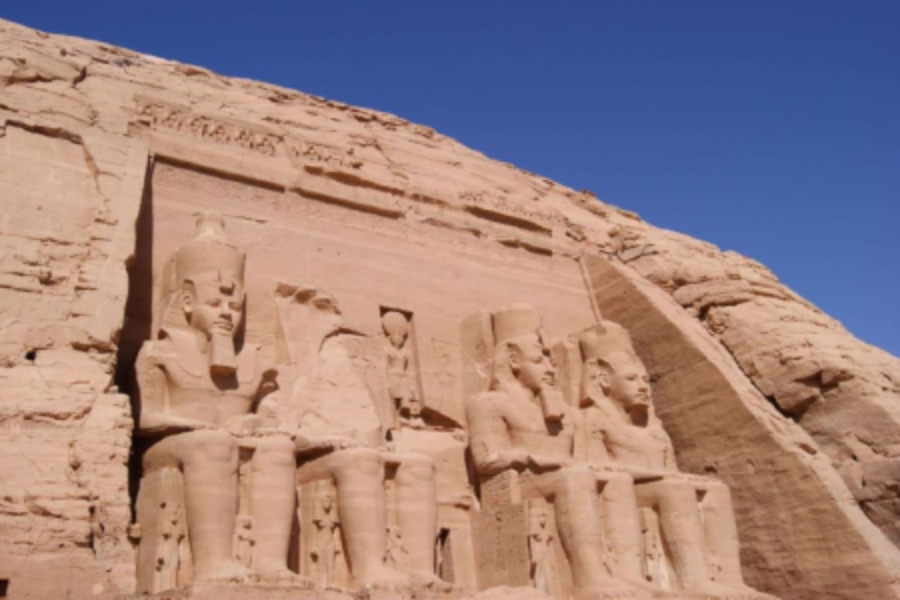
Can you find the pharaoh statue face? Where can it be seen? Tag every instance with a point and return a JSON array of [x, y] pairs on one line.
[[626, 380], [210, 281], [612, 369], [520, 356], [530, 363], [621, 378], [213, 306]]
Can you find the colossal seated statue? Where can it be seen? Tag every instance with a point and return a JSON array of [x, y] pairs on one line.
[[340, 440], [521, 429], [225, 458], [694, 514], [197, 397]]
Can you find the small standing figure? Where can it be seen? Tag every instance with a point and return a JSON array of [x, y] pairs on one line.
[[401, 376], [539, 540], [243, 541], [326, 548], [395, 556]]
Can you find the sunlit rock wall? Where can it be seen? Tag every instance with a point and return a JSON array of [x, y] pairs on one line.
[[105, 155]]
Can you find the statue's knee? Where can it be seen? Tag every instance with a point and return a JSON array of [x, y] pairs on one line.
[[618, 487], [416, 467], [579, 480], [617, 480], [716, 493], [212, 446], [276, 450], [679, 492], [363, 461]]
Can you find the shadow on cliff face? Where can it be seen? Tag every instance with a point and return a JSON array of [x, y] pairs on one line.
[[138, 320]]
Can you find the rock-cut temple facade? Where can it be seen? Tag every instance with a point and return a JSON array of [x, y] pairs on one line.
[[259, 344]]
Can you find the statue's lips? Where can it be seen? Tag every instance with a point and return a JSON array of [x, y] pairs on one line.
[[223, 326]]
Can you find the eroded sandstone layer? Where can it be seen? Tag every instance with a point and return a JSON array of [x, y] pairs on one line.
[[108, 155]]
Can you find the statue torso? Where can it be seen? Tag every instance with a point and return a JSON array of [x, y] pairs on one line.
[[332, 400], [528, 429], [626, 444], [191, 390]]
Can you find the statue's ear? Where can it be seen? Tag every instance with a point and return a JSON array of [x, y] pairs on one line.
[[603, 375], [187, 297], [593, 383], [514, 357]]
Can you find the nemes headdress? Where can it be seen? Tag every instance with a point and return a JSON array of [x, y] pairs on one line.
[[603, 340], [515, 321], [510, 323], [210, 253]]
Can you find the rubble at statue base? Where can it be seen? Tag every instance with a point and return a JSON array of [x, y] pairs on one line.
[[260, 344]]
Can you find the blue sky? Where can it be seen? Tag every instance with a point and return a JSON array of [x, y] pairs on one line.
[[768, 127]]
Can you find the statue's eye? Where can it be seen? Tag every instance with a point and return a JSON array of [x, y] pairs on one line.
[[214, 302], [235, 306]]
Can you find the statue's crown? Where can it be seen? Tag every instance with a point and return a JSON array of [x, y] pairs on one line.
[[604, 339], [515, 321], [210, 252]]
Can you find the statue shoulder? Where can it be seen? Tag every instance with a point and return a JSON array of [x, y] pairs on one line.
[[658, 431], [486, 403], [156, 352], [602, 417]]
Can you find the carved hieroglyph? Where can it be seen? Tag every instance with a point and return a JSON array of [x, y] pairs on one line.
[[540, 539], [325, 548]]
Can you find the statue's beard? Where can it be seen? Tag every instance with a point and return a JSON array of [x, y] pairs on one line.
[[551, 403], [222, 360]]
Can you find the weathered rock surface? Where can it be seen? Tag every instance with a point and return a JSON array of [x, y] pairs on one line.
[[104, 153], [239, 592]]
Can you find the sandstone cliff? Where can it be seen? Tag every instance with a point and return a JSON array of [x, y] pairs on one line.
[[101, 146]]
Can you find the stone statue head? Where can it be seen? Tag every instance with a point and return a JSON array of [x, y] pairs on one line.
[[209, 279], [612, 369], [326, 500], [519, 352], [396, 327]]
